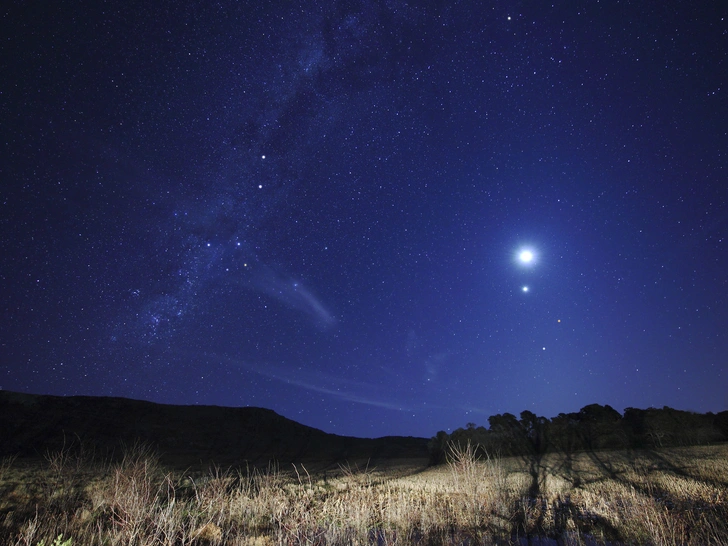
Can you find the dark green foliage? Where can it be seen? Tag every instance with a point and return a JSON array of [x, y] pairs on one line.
[[594, 427]]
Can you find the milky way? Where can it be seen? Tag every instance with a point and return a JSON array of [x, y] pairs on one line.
[[325, 209]]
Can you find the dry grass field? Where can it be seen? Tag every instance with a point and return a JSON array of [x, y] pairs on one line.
[[660, 497]]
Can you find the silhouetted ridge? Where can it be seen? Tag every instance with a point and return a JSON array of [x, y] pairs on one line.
[[31, 425]]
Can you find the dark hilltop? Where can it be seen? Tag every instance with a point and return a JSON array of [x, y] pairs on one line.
[[33, 425]]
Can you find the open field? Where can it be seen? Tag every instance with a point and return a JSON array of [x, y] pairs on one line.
[[666, 496]]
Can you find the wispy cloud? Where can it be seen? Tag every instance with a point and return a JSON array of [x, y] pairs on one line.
[[315, 381], [293, 294], [344, 395]]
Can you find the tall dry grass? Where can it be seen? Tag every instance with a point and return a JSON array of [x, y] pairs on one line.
[[663, 497]]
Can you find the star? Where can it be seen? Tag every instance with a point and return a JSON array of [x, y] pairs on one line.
[[525, 256], [411, 252]]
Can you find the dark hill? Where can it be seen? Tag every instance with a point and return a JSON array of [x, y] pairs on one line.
[[31, 425]]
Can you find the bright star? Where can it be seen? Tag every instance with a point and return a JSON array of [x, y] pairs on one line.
[[525, 288], [526, 256]]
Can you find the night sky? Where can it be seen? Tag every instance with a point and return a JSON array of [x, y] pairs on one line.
[[322, 208]]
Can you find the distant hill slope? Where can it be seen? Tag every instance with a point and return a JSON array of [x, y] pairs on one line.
[[30, 425]]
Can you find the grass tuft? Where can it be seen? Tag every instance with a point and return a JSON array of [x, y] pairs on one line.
[[666, 497]]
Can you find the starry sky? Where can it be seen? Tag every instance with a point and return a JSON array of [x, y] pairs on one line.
[[322, 208]]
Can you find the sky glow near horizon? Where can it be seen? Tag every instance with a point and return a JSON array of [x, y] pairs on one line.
[[371, 218]]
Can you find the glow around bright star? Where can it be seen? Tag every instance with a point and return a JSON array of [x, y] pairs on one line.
[[525, 256]]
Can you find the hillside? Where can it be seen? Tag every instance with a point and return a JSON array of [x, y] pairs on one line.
[[31, 425]]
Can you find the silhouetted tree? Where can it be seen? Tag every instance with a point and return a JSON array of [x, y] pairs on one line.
[[594, 427], [600, 427], [720, 422], [664, 427], [535, 429], [564, 435], [634, 424], [507, 434], [437, 446]]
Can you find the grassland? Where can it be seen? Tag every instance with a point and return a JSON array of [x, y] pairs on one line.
[[661, 497]]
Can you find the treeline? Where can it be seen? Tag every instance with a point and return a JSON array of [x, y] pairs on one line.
[[594, 427]]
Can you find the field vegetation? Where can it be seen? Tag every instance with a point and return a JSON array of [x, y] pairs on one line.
[[660, 496]]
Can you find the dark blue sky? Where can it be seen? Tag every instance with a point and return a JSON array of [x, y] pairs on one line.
[[318, 207]]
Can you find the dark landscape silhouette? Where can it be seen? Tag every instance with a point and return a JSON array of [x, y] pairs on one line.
[[95, 470]]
